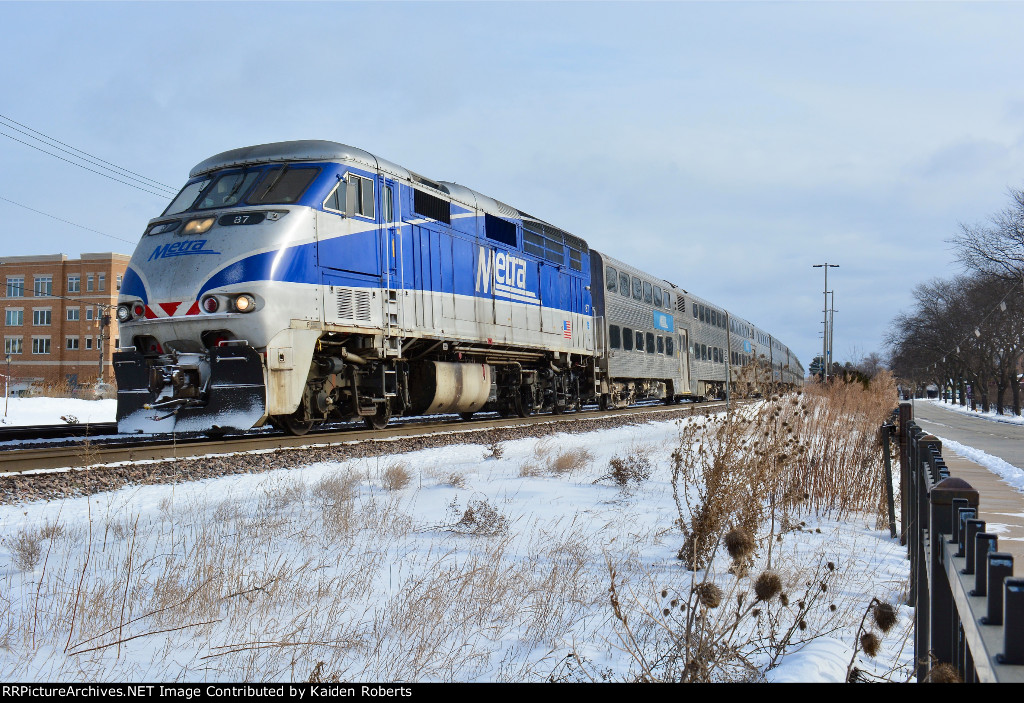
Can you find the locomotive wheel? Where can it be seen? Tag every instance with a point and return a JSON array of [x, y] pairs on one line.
[[522, 409], [604, 402], [291, 424], [379, 420]]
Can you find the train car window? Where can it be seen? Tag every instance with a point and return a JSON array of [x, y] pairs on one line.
[[661, 344], [702, 313], [282, 184], [227, 190], [431, 206], [650, 342], [624, 284], [627, 339], [669, 346], [500, 230], [658, 299], [187, 197], [638, 289], [648, 294], [695, 311], [639, 341], [703, 352], [611, 279], [614, 340]]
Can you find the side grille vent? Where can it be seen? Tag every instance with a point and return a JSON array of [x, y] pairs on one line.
[[353, 304]]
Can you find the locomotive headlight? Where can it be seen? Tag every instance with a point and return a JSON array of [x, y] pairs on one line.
[[198, 226], [211, 304], [245, 303], [124, 313]]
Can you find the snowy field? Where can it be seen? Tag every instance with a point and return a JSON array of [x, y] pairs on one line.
[[446, 564], [50, 411]]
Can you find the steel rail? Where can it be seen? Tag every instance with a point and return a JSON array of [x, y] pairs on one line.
[[84, 454]]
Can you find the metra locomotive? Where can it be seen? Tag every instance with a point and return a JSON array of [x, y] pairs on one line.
[[306, 281]]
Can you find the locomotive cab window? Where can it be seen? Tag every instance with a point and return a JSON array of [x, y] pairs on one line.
[[627, 339], [227, 190], [611, 279], [614, 339], [362, 201], [282, 185], [187, 197]]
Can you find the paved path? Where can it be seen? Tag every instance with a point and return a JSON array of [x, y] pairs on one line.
[[1000, 505]]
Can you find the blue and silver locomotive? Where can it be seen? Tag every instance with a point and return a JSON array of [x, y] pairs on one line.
[[299, 282]]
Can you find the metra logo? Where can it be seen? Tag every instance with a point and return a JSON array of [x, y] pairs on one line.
[[507, 273], [189, 247]]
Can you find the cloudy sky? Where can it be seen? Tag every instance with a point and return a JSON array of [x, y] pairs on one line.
[[727, 147]]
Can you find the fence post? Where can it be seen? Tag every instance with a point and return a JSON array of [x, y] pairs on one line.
[[884, 435], [944, 623], [906, 416]]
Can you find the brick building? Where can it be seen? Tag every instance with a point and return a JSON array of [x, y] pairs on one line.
[[53, 314]]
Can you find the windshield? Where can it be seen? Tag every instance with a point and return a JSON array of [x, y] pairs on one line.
[[227, 190], [186, 197]]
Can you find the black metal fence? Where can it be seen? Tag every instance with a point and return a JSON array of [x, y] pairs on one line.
[[969, 610]]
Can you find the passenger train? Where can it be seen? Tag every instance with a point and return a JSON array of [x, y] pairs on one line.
[[299, 282]]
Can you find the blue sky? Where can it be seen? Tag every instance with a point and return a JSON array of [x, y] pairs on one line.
[[727, 147]]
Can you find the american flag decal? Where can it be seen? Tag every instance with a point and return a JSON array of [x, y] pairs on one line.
[[567, 329]]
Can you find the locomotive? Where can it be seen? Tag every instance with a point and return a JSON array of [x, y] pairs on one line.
[[305, 281]]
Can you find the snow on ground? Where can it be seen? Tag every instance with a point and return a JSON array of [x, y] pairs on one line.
[[1008, 418], [51, 411], [261, 577]]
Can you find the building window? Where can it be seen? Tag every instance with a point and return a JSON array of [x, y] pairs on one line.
[[40, 345], [74, 284], [73, 314], [14, 317], [15, 286], [88, 342], [119, 279], [102, 281], [88, 313], [88, 282], [12, 345], [41, 317], [72, 343], [43, 285]]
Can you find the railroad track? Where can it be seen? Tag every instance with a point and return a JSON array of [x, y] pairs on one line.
[[86, 453]]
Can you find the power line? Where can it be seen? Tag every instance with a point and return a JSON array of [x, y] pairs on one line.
[[61, 219], [109, 170]]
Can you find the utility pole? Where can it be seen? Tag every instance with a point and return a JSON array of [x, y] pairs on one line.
[[825, 341]]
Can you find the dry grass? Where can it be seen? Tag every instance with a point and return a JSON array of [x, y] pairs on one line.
[[570, 461], [396, 476]]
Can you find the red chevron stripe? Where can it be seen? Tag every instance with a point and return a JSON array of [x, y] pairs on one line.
[[169, 308]]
